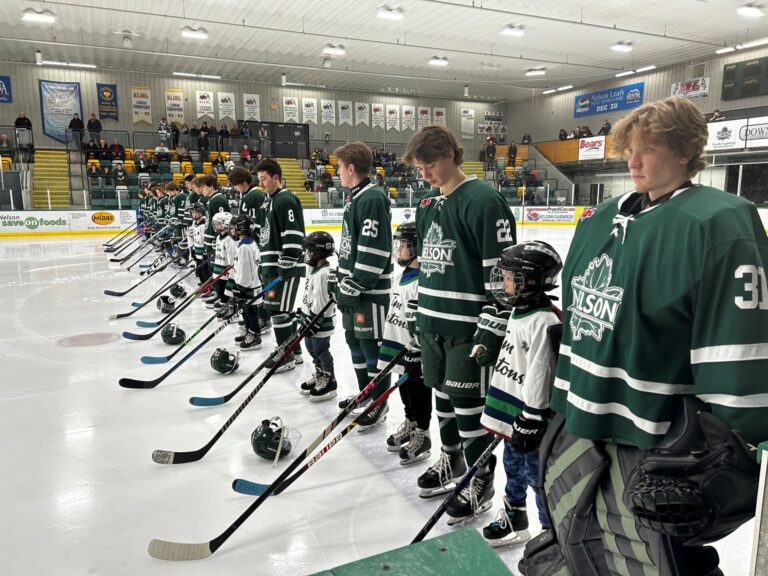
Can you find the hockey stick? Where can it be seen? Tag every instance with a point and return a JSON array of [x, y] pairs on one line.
[[479, 463], [123, 245], [154, 262], [166, 550], [168, 457], [140, 231], [256, 489], [124, 292], [185, 304], [164, 359], [151, 240], [116, 236], [139, 305]]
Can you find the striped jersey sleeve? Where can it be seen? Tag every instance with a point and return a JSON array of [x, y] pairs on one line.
[[290, 217], [373, 247]]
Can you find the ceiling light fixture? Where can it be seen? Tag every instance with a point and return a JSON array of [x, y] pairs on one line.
[[466, 90], [334, 50], [38, 57], [45, 16], [196, 33], [193, 75], [565, 88], [438, 61], [186, 74], [490, 66], [750, 11], [283, 79], [622, 46], [209, 76], [646, 68], [753, 44], [725, 50], [550, 91], [79, 65], [388, 13], [69, 64], [512, 30], [625, 73], [535, 72], [127, 42], [327, 63]]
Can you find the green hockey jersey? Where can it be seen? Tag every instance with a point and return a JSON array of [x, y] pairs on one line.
[[460, 238], [282, 232], [191, 198], [252, 205], [365, 250], [668, 301], [216, 203]]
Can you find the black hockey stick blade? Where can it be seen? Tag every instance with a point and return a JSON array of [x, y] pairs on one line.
[[139, 384]]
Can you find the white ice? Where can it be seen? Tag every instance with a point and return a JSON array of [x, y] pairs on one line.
[[79, 493]]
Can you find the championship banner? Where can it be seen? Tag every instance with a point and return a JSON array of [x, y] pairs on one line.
[[345, 112], [409, 117], [226, 105], [290, 109], [439, 117], [6, 91], [251, 107], [362, 113], [592, 148], [141, 105], [204, 100], [329, 111], [309, 110], [377, 115], [174, 105], [58, 102], [467, 124], [692, 89], [425, 117], [393, 117], [610, 100], [106, 95]]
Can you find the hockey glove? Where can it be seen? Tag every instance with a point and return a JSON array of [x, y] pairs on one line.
[[238, 292], [527, 433], [349, 294], [313, 329], [411, 309], [489, 335], [332, 282], [412, 365], [288, 266]]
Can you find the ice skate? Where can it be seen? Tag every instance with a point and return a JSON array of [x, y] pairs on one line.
[[442, 476], [367, 422], [510, 526], [325, 388], [417, 449], [306, 386], [402, 436], [475, 499]]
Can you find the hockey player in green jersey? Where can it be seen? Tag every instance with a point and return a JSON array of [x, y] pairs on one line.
[[665, 308], [461, 232], [176, 213], [282, 253], [215, 202], [364, 274]]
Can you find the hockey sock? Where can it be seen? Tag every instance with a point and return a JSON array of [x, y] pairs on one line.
[[358, 359], [474, 438], [370, 350], [284, 325], [263, 315], [417, 399], [446, 417]]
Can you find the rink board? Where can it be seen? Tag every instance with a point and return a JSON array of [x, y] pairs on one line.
[[458, 553]]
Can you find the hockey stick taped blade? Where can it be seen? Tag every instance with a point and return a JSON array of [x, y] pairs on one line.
[[201, 401], [162, 456], [167, 457], [145, 324], [248, 487], [154, 359], [164, 550], [137, 304]]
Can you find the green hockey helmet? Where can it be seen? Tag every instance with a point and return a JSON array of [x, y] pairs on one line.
[[173, 334], [270, 440], [178, 291], [166, 304], [224, 361]]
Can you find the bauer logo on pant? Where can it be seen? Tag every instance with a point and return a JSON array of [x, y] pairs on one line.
[[595, 303]]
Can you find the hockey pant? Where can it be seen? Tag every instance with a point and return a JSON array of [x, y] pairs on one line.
[[583, 487], [365, 361]]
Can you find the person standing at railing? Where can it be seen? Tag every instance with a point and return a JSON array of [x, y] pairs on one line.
[[23, 122], [76, 126], [224, 136], [202, 143], [94, 127]]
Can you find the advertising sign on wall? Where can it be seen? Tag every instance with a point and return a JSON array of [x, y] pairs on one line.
[[63, 222], [592, 148], [6, 90], [692, 89], [610, 100], [58, 102]]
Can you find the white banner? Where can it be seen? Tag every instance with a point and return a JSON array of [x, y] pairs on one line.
[[290, 109], [393, 117], [467, 124], [362, 113], [226, 105], [425, 116], [439, 116], [30, 223], [345, 112], [251, 107], [141, 104], [409, 118], [592, 148], [329, 111], [725, 135], [309, 110], [204, 100], [692, 89], [174, 105], [755, 134], [377, 115]]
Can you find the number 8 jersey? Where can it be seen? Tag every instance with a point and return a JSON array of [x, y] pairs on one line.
[[663, 301]]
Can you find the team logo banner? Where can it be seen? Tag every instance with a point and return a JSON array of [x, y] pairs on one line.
[[362, 113], [309, 110], [226, 105], [106, 95], [174, 105], [611, 100], [425, 117], [251, 107], [345, 112], [377, 115], [6, 93], [328, 111], [290, 109], [393, 117], [58, 102], [204, 100], [141, 105], [592, 148], [692, 89], [467, 123], [409, 117], [439, 116]]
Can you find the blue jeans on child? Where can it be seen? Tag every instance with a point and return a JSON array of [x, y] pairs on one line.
[[523, 471], [320, 350]]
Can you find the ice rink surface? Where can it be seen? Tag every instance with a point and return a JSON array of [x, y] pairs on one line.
[[79, 493]]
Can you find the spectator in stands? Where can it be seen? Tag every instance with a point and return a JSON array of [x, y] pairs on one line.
[[263, 132], [526, 139], [121, 176], [490, 153], [94, 173], [203, 146], [94, 126], [605, 129], [23, 122], [184, 129], [574, 133], [106, 175], [224, 136], [175, 135], [562, 135], [162, 153], [154, 164], [585, 132], [142, 164], [245, 155], [380, 180], [326, 179], [117, 150], [5, 146], [163, 128], [716, 116], [218, 165], [245, 132], [182, 153], [234, 131], [194, 132], [76, 126], [91, 151], [103, 150], [512, 154]]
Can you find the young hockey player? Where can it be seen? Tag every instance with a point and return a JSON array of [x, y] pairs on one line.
[[207, 186], [517, 404], [318, 247], [198, 227], [245, 280], [411, 440], [225, 250]]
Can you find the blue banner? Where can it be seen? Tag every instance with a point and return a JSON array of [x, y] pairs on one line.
[[611, 100], [107, 95], [58, 102], [6, 93]]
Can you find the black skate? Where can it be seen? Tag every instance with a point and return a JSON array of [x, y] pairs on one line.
[[442, 476], [475, 499], [306, 387], [510, 526], [349, 400], [297, 357], [417, 449], [266, 328], [368, 421], [288, 364], [402, 436], [243, 334], [252, 341], [325, 388]]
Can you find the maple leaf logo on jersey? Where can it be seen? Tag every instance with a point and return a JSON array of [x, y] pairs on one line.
[[595, 302], [436, 252], [265, 232]]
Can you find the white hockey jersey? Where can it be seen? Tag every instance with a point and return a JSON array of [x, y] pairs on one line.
[[198, 236], [405, 287], [225, 253], [315, 297], [245, 271]]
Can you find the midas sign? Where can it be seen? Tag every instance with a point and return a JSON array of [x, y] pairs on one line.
[[103, 218]]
